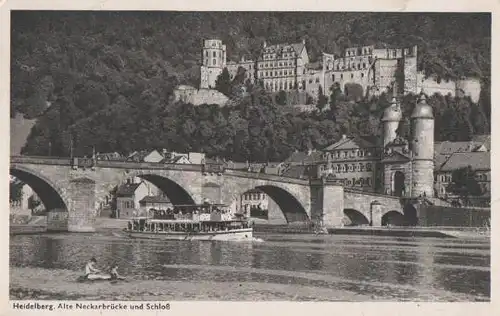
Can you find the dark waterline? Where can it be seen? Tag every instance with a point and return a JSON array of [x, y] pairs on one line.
[[394, 268]]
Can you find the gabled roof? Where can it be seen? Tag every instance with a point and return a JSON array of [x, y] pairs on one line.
[[484, 140], [297, 47], [155, 199], [352, 143], [140, 155], [448, 147], [297, 171], [127, 189], [477, 160]]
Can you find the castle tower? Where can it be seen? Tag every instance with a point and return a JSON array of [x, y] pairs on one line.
[[390, 120], [213, 62], [422, 146]]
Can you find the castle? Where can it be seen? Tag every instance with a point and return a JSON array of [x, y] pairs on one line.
[[376, 70]]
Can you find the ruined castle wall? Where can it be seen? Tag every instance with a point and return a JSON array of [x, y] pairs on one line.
[[385, 73], [410, 75], [430, 86], [201, 96], [209, 77], [470, 87]]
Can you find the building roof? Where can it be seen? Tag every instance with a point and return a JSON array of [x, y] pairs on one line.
[[127, 189], [155, 199], [297, 171], [140, 155], [109, 156], [477, 160], [297, 47], [484, 140], [300, 157], [352, 142]]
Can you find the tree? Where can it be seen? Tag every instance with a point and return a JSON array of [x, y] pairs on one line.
[[281, 98], [223, 83], [16, 190], [322, 99], [464, 184]]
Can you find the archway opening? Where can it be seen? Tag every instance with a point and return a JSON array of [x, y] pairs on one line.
[[48, 195], [398, 183], [278, 201], [354, 217], [147, 191], [175, 193], [393, 218], [410, 214]]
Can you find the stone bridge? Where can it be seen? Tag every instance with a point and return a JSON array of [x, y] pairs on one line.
[[77, 187]]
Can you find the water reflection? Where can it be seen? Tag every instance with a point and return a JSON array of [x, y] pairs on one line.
[[392, 267]]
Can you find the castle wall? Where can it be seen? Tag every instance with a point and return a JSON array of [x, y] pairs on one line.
[[385, 72], [201, 96], [470, 87], [209, 77], [430, 86], [410, 75]]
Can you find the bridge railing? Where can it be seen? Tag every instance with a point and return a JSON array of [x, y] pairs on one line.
[[41, 160], [147, 165], [265, 176]]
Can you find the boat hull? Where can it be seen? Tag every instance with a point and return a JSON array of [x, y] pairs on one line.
[[232, 235]]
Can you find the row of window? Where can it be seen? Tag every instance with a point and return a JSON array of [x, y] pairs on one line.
[[347, 154], [128, 204], [275, 64], [276, 73], [213, 53], [348, 67], [342, 76], [359, 182], [254, 196], [359, 167], [365, 51], [278, 86], [447, 177], [274, 56]]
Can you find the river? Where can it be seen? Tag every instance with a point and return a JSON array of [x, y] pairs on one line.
[[274, 267]]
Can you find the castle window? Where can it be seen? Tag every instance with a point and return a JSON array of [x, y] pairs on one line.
[[361, 167], [281, 73], [310, 81], [304, 72], [338, 67], [394, 53], [341, 76], [214, 54], [206, 61], [279, 64], [352, 76], [368, 167], [285, 72], [364, 65], [206, 53], [362, 75], [317, 79], [333, 77], [362, 181], [353, 181], [368, 181], [267, 73], [214, 61], [290, 85], [359, 66]]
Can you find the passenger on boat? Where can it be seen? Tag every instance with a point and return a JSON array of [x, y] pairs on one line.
[[90, 269]]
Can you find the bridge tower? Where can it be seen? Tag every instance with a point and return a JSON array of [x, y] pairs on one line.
[[213, 62], [422, 147], [390, 120]]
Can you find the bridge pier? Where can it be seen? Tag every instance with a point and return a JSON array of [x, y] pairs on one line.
[[81, 211], [327, 200]]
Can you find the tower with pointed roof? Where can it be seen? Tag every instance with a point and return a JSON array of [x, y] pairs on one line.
[[422, 148], [390, 121]]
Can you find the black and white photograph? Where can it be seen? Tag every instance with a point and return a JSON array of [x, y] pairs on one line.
[[319, 156]]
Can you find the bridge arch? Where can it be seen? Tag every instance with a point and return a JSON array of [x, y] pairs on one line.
[[178, 194], [51, 195], [393, 218], [354, 217]]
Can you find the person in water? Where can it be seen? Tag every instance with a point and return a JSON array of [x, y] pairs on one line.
[[90, 269]]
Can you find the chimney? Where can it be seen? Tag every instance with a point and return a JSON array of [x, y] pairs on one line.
[[344, 136]]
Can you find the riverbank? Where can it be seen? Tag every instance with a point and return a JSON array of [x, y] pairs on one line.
[[43, 284], [57, 284]]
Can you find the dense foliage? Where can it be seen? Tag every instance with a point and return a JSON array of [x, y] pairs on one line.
[[464, 184], [108, 78]]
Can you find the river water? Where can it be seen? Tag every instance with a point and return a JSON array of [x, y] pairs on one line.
[[273, 267]]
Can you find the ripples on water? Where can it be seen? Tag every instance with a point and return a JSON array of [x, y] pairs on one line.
[[395, 268]]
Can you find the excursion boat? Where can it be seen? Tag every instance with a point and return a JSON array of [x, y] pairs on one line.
[[191, 222]]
